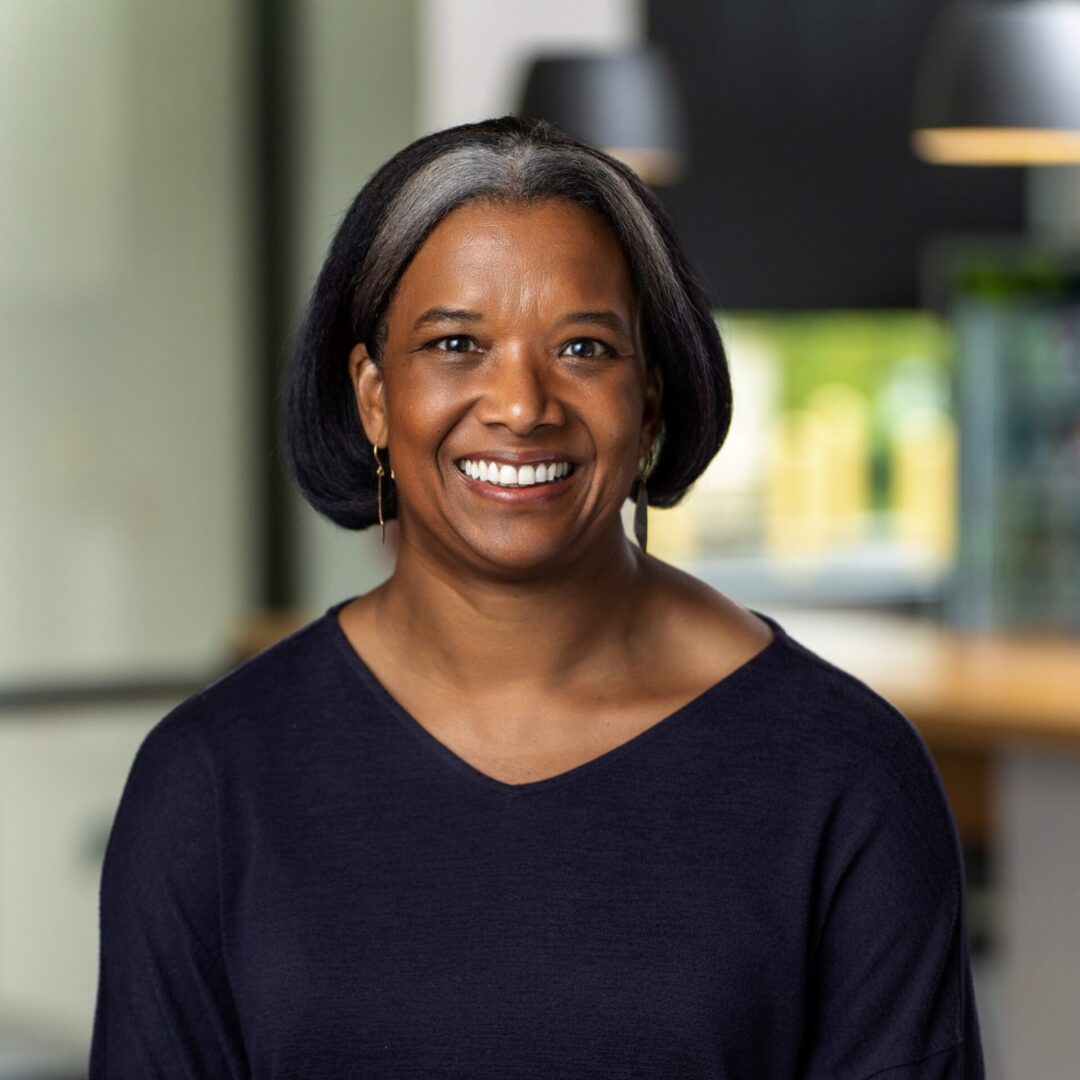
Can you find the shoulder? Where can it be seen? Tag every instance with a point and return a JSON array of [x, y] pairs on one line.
[[164, 827], [691, 626], [288, 672], [863, 776], [859, 720], [171, 791], [792, 702], [886, 920], [861, 757], [297, 660], [808, 694], [238, 709]]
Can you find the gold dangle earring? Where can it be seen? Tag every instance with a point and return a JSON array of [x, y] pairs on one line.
[[641, 502], [379, 476]]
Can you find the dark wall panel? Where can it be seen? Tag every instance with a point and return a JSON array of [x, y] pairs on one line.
[[803, 191]]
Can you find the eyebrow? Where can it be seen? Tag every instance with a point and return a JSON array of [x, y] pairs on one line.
[[607, 318], [441, 315]]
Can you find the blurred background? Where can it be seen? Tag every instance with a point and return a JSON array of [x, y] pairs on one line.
[[900, 488]]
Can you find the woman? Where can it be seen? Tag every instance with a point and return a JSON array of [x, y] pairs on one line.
[[540, 804]]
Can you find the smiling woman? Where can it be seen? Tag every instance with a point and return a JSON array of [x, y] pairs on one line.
[[515, 165], [483, 360], [539, 804]]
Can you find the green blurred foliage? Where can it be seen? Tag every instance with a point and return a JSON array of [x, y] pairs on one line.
[[858, 348]]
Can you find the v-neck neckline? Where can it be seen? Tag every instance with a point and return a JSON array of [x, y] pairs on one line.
[[709, 696]]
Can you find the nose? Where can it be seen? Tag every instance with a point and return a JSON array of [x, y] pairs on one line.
[[519, 393]]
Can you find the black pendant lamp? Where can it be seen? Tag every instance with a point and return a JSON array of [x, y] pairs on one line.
[[999, 84], [623, 102]]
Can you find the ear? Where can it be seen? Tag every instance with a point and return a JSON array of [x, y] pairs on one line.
[[654, 394], [366, 377]]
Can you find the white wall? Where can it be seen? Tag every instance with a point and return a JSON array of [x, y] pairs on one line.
[[125, 531], [61, 775]]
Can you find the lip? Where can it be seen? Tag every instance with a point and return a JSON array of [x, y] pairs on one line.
[[531, 493]]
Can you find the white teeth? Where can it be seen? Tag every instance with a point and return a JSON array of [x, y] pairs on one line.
[[507, 476]]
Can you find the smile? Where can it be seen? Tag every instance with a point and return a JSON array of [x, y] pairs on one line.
[[533, 484], [492, 472]]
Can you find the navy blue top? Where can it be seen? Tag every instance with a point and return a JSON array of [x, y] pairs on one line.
[[302, 882]]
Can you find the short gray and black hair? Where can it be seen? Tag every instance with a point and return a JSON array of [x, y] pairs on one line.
[[507, 160]]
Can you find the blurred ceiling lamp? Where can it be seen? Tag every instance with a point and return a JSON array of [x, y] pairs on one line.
[[624, 103], [999, 84]]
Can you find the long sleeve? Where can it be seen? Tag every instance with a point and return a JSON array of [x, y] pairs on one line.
[[891, 993], [164, 1007]]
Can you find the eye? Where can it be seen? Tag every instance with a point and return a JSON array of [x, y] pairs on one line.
[[588, 348], [455, 343]]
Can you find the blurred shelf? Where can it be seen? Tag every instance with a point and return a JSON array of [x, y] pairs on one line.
[[873, 574]]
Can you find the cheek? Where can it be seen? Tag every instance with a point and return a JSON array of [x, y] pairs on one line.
[[420, 414], [616, 417]]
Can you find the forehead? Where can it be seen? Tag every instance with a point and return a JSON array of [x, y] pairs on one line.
[[553, 250]]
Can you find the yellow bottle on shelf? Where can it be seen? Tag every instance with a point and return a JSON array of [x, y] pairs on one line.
[[846, 422], [796, 501], [818, 474], [923, 460]]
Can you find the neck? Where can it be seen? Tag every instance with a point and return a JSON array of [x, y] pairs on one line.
[[474, 633]]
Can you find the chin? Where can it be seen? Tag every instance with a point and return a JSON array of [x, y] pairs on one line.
[[524, 559], [523, 565]]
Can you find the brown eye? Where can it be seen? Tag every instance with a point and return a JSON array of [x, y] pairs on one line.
[[588, 348], [453, 343]]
